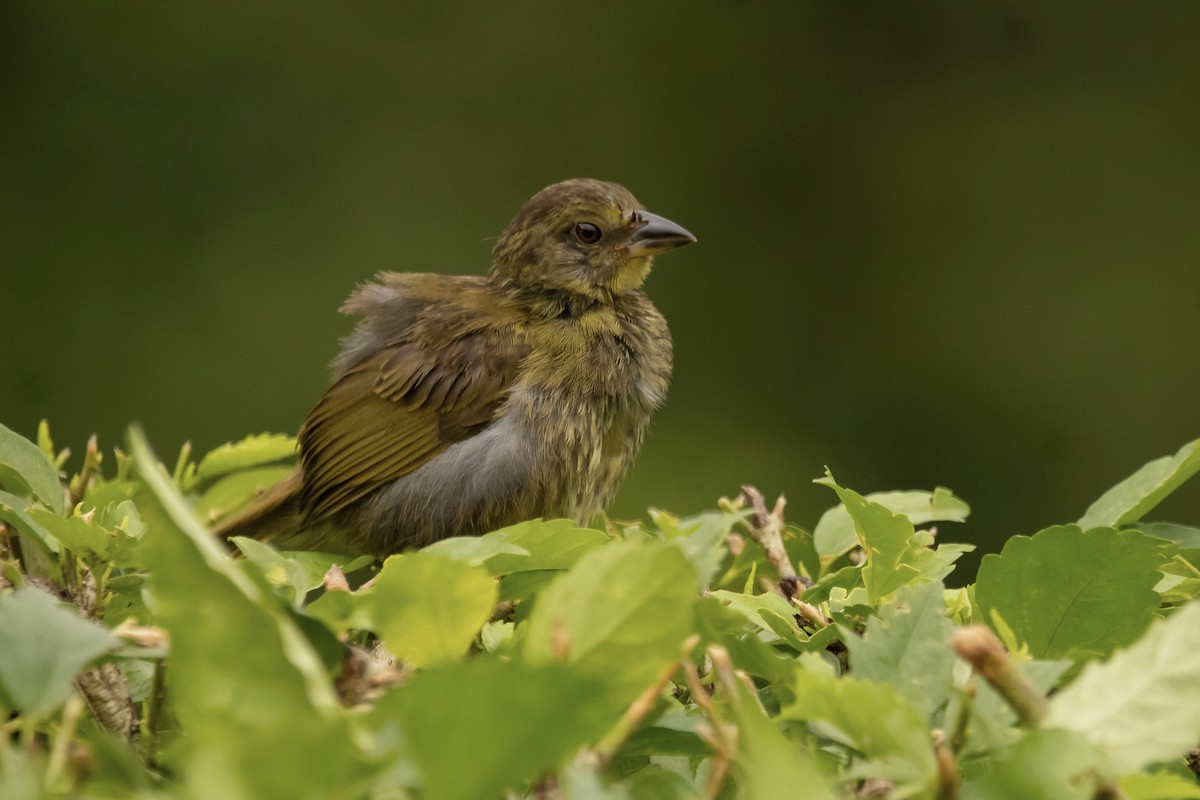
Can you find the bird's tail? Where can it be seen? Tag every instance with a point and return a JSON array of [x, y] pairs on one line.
[[273, 516]]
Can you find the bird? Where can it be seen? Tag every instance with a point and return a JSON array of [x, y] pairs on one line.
[[461, 404]]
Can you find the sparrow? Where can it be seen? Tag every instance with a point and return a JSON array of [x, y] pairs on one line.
[[463, 404]]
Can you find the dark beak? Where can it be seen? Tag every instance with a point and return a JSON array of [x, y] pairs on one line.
[[655, 234]]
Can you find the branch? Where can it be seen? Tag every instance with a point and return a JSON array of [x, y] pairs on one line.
[[980, 648], [766, 528]]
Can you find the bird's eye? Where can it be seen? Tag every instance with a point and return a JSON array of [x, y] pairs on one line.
[[587, 232]]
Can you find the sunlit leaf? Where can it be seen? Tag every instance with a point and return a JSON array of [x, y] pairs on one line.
[[549, 544], [253, 451], [1142, 706], [231, 492], [44, 646], [1130, 499], [622, 612], [769, 766], [475, 550], [906, 646], [1069, 593], [429, 608], [1044, 765], [770, 612], [74, 532], [16, 512], [871, 718], [701, 537], [1159, 786], [25, 469], [246, 684], [887, 538], [1182, 535], [835, 532], [478, 728]]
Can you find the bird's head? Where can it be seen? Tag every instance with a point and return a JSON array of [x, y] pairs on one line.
[[583, 237]]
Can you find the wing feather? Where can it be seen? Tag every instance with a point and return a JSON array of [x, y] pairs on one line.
[[398, 408]]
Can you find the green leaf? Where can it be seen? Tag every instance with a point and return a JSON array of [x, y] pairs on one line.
[[885, 537], [342, 611], [44, 647], [234, 491], [1182, 535], [496, 636], [622, 611], [935, 563], [1044, 765], [992, 720], [871, 718], [521, 585], [275, 568], [126, 599], [700, 537], [580, 782], [429, 608], [76, 533], [907, 646], [100, 495], [21, 778], [770, 767], [835, 532], [112, 534], [550, 544], [1130, 499], [1068, 593], [1142, 706], [770, 612], [1181, 577], [530, 546], [246, 685], [672, 734], [720, 624], [475, 550], [656, 782], [1159, 786], [253, 451], [16, 512], [480, 727], [846, 579], [25, 469]]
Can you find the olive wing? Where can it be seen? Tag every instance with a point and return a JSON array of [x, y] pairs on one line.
[[395, 410]]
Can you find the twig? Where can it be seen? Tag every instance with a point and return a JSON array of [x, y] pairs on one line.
[[1107, 790], [947, 767], [640, 708], [91, 467], [72, 711], [962, 719], [185, 453], [979, 647], [718, 734], [335, 579], [766, 529], [153, 712], [811, 613], [365, 675], [730, 677]]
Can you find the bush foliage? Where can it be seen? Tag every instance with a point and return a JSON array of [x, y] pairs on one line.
[[722, 655]]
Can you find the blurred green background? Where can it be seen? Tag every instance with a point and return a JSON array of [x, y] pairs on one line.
[[939, 243]]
